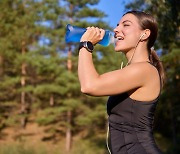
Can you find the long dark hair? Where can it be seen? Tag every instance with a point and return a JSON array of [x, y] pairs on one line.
[[147, 21]]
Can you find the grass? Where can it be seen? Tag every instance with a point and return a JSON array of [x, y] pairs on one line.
[[79, 147], [21, 149]]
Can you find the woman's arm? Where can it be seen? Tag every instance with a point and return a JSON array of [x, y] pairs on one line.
[[111, 83]]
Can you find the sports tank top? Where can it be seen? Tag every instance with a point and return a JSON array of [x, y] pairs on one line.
[[131, 125]]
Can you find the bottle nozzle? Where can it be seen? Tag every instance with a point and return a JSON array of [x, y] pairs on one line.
[[112, 40]]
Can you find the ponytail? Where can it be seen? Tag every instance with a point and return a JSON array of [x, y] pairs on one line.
[[146, 21], [154, 59]]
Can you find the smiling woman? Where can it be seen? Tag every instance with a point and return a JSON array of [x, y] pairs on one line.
[[134, 90]]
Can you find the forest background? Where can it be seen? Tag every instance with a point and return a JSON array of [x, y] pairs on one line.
[[42, 110]]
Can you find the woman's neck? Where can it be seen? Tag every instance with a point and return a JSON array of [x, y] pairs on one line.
[[139, 55]]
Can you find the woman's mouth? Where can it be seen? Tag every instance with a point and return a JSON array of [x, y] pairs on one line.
[[119, 38]]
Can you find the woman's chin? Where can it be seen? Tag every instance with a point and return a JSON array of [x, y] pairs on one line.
[[118, 49]]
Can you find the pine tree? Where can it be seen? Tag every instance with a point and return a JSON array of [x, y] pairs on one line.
[[39, 71], [18, 32], [77, 13]]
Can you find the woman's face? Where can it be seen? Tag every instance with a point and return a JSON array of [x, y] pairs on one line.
[[128, 33]]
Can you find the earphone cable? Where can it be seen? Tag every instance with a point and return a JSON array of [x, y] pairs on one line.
[[107, 137], [132, 54]]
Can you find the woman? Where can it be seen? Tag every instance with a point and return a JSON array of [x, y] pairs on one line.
[[133, 90]]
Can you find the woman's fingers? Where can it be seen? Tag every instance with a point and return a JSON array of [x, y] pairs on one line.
[[97, 31], [93, 34], [102, 33]]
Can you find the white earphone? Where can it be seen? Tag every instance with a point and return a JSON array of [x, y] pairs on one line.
[[141, 36], [134, 51]]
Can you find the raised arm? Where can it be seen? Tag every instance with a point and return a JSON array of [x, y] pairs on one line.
[[110, 83]]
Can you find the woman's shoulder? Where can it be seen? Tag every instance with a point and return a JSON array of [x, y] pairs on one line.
[[149, 73], [144, 71], [150, 88], [142, 67]]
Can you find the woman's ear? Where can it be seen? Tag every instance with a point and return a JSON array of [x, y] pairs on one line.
[[145, 35]]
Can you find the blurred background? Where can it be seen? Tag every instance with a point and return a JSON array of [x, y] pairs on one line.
[[42, 110]]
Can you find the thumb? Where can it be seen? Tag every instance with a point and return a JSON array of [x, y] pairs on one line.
[[102, 33]]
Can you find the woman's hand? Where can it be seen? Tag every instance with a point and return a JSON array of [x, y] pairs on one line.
[[93, 34]]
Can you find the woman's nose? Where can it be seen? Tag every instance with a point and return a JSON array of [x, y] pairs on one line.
[[116, 30]]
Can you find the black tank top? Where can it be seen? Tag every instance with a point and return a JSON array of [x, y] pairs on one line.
[[131, 125]]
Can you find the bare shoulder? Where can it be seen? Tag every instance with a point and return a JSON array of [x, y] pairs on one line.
[[145, 72], [142, 69], [151, 82], [149, 69]]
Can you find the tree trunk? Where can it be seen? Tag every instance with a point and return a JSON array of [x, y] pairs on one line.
[[69, 132], [1, 65], [51, 101], [23, 83], [69, 113]]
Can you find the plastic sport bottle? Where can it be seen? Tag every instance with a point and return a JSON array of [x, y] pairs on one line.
[[74, 33]]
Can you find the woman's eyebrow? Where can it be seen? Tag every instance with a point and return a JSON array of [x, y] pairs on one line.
[[126, 21]]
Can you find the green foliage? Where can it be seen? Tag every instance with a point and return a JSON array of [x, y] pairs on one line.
[[167, 14], [32, 33], [52, 90], [86, 12], [48, 116]]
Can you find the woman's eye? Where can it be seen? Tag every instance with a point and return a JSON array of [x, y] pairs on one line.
[[126, 25]]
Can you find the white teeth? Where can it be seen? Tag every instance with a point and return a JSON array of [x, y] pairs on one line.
[[120, 38]]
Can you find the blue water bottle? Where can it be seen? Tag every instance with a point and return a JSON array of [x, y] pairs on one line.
[[74, 33]]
